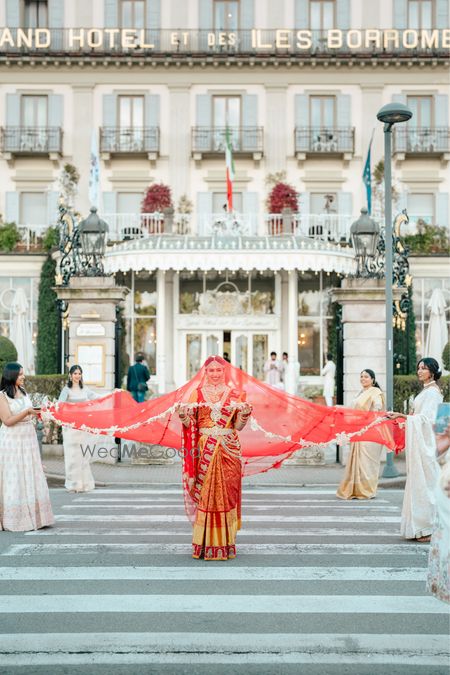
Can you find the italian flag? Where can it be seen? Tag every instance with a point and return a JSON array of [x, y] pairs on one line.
[[230, 170]]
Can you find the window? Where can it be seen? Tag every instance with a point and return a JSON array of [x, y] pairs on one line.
[[420, 14], [322, 14], [323, 202], [7, 287], [133, 13], [421, 108], [323, 111], [33, 208], [420, 212], [226, 15], [36, 14], [34, 111], [226, 115], [129, 202], [220, 202], [422, 291], [131, 111]]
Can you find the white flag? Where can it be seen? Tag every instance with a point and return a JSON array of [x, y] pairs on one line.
[[94, 172]]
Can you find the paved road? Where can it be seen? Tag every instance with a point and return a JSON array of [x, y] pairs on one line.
[[319, 587]]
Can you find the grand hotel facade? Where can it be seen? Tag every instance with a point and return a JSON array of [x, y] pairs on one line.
[[157, 83]]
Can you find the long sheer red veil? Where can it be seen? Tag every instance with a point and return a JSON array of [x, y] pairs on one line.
[[280, 423]]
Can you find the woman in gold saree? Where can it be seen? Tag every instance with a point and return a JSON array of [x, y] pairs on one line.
[[212, 468], [363, 466]]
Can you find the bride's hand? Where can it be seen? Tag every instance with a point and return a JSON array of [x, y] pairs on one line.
[[246, 409], [183, 412], [395, 416]]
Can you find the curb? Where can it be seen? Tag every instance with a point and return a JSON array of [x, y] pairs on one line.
[[57, 480]]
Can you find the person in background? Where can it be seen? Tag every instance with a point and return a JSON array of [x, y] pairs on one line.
[[226, 357], [79, 476], [273, 370], [24, 498], [422, 470], [363, 464], [290, 374], [438, 580], [137, 377], [328, 373]]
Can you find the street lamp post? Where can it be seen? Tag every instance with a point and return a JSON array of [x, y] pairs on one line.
[[364, 234], [390, 114]]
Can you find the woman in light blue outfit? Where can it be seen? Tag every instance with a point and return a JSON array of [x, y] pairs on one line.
[[79, 476]]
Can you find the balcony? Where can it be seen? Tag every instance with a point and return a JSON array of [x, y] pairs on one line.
[[130, 140], [32, 140], [421, 140], [322, 228], [212, 140], [324, 141]]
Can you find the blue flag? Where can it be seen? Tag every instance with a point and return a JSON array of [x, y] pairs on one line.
[[94, 172], [367, 177]]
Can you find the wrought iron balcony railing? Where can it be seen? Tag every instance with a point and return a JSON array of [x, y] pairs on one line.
[[213, 139], [189, 43], [32, 140], [129, 139], [421, 140], [323, 140]]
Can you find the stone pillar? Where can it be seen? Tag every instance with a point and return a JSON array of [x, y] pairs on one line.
[[83, 114], [92, 316], [363, 317], [161, 331]]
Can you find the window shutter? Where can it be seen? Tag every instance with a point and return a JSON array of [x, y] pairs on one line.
[[250, 207], [441, 121], [400, 204], [152, 106], [343, 14], [400, 14], [109, 202], [204, 212], [203, 137], [110, 122], [109, 208], [247, 14], [12, 120], [442, 19], [12, 207], [302, 130], [111, 14], [55, 14], [52, 207], [13, 13], [205, 16], [250, 120], [344, 102], [301, 13], [442, 208], [55, 119], [153, 20], [345, 203]]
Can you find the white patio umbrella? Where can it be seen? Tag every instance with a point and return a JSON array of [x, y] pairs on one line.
[[437, 334], [20, 331]]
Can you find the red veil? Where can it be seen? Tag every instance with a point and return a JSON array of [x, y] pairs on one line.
[[280, 423]]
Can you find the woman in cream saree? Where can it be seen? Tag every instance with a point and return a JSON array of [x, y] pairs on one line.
[[212, 468], [361, 474]]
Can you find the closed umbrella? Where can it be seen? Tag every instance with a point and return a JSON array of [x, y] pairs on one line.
[[20, 331], [437, 335]]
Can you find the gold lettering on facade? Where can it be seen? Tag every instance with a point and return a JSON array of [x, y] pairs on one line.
[[304, 40], [283, 38], [410, 39]]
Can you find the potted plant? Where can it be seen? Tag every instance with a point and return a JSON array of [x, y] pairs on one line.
[[157, 198], [282, 199]]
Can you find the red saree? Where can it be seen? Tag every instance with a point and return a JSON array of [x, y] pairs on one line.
[[212, 475]]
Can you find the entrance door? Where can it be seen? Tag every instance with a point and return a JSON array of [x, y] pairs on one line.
[[249, 351]]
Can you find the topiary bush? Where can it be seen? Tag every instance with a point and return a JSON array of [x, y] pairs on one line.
[[282, 196], [446, 356], [48, 321], [50, 240], [8, 352]]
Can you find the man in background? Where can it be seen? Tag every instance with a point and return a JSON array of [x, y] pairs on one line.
[[328, 373], [137, 377]]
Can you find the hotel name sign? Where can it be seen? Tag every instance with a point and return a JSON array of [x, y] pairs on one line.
[[255, 39]]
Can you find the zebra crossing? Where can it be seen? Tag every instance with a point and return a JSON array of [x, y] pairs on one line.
[[319, 586]]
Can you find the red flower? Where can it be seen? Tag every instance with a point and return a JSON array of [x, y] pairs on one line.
[[157, 198], [282, 196]]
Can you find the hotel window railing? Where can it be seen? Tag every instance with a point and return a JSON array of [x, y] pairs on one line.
[[129, 139], [323, 140], [211, 140], [32, 140], [422, 140]]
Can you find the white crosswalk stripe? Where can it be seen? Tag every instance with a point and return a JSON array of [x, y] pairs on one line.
[[305, 567]]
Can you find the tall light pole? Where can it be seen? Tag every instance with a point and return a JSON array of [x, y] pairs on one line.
[[390, 114]]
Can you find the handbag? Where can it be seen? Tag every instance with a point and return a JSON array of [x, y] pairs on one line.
[[142, 386]]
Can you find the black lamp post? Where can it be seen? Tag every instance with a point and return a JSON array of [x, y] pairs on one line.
[[364, 234], [390, 114], [92, 233]]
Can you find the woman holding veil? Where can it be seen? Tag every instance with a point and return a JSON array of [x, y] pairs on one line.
[[212, 466]]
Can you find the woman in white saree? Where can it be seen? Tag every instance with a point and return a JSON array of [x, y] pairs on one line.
[[422, 471]]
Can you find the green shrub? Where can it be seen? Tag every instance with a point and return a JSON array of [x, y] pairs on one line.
[[406, 386], [8, 352], [9, 237], [48, 321], [446, 356], [50, 239], [428, 239], [48, 385]]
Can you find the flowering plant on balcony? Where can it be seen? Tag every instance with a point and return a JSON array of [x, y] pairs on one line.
[[282, 196], [157, 198]]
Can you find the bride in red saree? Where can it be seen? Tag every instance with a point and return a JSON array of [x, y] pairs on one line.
[[202, 419], [212, 468]]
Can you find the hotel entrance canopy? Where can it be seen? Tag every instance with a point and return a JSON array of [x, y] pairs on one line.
[[173, 252]]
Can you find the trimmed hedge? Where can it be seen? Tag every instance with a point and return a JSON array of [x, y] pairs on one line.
[[49, 385], [406, 386], [48, 321], [8, 352]]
